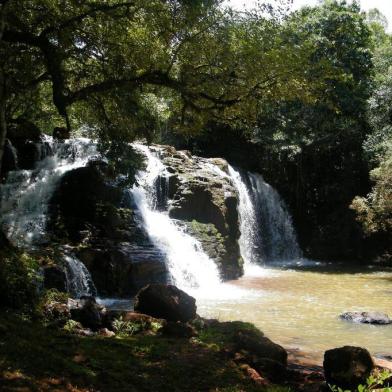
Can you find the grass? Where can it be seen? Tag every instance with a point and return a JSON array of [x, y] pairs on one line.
[[35, 358]]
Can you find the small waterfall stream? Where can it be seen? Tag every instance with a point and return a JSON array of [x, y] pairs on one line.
[[278, 237], [267, 232], [24, 198], [24, 202], [78, 277]]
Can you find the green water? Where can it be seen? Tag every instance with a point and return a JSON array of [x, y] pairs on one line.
[[300, 308]]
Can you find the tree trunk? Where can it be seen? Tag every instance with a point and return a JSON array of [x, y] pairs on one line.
[[3, 124]]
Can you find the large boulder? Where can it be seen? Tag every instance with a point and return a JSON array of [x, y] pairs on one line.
[[260, 346], [81, 201], [167, 302], [204, 198], [376, 318], [347, 367], [25, 137], [10, 158], [88, 313]]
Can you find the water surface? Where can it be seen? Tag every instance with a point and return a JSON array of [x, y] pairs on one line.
[[299, 307]]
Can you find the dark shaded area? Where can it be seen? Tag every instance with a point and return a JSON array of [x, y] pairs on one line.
[[318, 184], [36, 358]]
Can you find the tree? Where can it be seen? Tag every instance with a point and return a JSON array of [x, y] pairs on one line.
[[118, 67]]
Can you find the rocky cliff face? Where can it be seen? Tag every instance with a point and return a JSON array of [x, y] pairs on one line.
[[94, 214], [202, 195]]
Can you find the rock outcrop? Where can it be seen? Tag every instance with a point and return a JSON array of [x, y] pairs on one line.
[[166, 302], [376, 318], [347, 367], [202, 195], [88, 208]]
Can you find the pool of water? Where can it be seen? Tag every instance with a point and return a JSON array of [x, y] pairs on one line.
[[299, 307]]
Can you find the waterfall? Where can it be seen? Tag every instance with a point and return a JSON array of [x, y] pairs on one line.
[[79, 280], [250, 240], [278, 233], [190, 268], [267, 232], [25, 196]]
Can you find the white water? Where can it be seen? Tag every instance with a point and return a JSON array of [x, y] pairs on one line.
[[191, 269], [24, 198], [250, 240], [78, 277], [279, 240]]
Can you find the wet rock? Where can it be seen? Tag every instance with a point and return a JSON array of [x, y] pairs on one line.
[[55, 277], [80, 201], [260, 346], [61, 133], [10, 158], [376, 318], [123, 269], [167, 302], [25, 137], [178, 330], [22, 130], [347, 367], [201, 191]]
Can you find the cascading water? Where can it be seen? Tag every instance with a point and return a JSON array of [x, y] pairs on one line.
[[191, 269], [25, 196], [79, 280], [267, 232], [250, 239], [278, 233]]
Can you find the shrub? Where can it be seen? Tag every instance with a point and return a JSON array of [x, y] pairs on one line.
[[375, 381], [19, 280]]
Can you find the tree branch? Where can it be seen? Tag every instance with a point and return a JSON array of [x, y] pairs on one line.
[[79, 18]]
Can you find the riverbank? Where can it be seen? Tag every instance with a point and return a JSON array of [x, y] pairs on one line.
[[36, 358]]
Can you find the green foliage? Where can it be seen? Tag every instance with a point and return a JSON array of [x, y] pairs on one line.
[[124, 161], [129, 328], [375, 210], [19, 280], [375, 381], [126, 69], [52, 308], [71, 326]]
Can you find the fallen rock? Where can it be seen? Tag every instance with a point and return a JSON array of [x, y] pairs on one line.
[[347, 367], [376, 318], [273, 370], [104, 332], [260, 346], [57, 312], [88, 313], [167, 302], [254, 375], [178, 330]]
